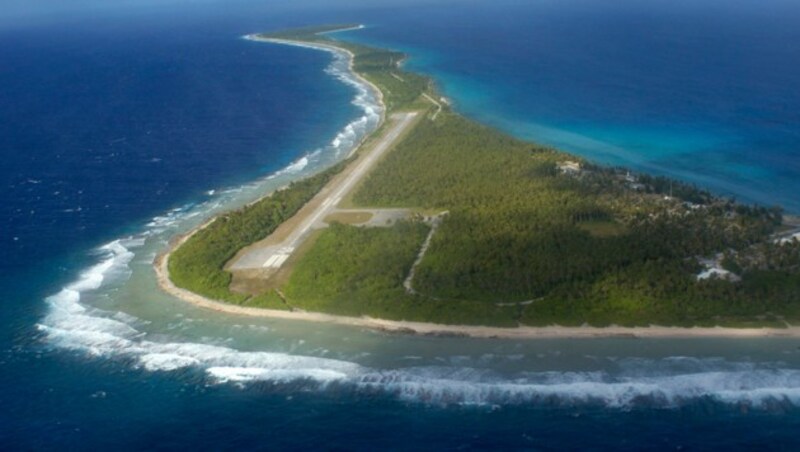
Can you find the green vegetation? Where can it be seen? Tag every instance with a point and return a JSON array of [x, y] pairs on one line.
[[602, 228], [401, 89], [313, 33], [584, 248], [533, 236], [360, 271], [267, 300], [198, 265], [350, 268]]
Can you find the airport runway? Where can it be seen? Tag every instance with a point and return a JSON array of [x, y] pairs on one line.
[[274, 256]]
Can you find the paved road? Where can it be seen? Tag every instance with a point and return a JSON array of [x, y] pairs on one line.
[[274, 256]]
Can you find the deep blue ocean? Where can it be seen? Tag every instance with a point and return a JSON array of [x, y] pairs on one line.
[[115, 120]]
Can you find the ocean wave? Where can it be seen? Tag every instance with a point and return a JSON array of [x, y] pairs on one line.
[[667, 382], [169, 220], [346, 140], [440, 386], [365, 98], [294, 167], [67, 314], [116, 259], [354, 132], [757, 389], [73, 324]]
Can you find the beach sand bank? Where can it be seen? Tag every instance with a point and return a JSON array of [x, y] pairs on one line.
[[405, 327]]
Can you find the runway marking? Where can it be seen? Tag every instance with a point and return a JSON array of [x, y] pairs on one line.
[[338, 192]]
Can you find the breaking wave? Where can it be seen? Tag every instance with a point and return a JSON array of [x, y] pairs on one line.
[[366, 99], [73, 323], [670, 382], [295, 167]]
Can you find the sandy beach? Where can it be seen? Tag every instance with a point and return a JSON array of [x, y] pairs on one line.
[[555, 331], [433, 329]]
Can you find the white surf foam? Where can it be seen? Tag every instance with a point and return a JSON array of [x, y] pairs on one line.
[[667, 382], [753, 388], [73, 324], [165, 361], [167, 221], [345, 141], [115, 258], [249, 374], [295, 167], [365, 99]]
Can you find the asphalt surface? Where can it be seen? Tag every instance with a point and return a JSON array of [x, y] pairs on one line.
[[274, 256]]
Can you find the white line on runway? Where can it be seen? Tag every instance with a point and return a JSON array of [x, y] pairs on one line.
[[294, 239]]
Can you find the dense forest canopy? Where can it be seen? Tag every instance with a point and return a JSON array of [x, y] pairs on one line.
[[531, 235]]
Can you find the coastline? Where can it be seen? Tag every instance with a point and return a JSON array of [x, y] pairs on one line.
[[98, 352], [335, 50], [405, 327], [484, 332]]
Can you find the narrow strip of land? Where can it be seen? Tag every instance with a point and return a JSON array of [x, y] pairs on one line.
[[264, 268], [272, 255]]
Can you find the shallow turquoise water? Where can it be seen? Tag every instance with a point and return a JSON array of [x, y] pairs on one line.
[[113, 144], [702, 91]]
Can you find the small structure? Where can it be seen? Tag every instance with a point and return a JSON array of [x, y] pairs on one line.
[[569, 167], [713, 270], [719, 273]]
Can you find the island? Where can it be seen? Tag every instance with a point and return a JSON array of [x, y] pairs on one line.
[[437, 224]]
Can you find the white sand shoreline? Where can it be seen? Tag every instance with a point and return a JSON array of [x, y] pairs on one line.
[[522, 332], [333, 49], [433, 329]]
